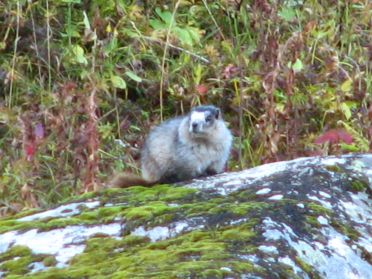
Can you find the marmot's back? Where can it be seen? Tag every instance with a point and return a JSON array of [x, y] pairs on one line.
[[186, 147]]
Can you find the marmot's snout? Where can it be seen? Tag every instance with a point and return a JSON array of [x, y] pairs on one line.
[[196, 127]]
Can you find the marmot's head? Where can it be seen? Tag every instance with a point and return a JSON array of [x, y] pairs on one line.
[[203, 119]]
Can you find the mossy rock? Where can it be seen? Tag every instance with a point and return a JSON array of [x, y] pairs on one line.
[[300, 220]]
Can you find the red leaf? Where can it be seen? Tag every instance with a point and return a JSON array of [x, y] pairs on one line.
[[30, 150], [202, 89], [345, 137], [335, 136]]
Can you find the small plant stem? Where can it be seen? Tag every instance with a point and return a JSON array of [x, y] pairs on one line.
[[239, 94], [48, 47], [14, 57], [36, 46], [163, 60], [214, 20]]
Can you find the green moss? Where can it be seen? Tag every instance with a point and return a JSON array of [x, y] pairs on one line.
[[50, 261], [16, 260], [243, 209], [15, 251], [345, 229], [148, 211], [199, 254], [132, 240], [334, 168], [308, 269], [174, 194], [89, 216], [238, 234], [109, 192], [83, 197], [244, 195], [25, 213], [105, 212], [195, 236], [359, 185], [212, 273], [17, 266], [242, 267], [197, 209], [318, 209], [8, 225], [313, 221]]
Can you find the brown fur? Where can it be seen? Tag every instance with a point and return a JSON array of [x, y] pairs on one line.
[[125, 180]]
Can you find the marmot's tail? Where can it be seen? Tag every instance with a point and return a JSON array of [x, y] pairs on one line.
[[125, 180]]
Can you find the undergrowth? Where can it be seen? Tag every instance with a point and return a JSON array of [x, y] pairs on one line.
[[82, 82]]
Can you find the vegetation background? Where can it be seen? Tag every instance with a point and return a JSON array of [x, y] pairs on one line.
[[82, 82]]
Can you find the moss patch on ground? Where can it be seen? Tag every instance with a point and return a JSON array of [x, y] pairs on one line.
[[206, 254], [15, 262], [133, 203]]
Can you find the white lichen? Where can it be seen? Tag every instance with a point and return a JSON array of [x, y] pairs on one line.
[[61, 211], [276, 197], [36, 267], [163, 232], [271, 250], [322, 220], [324, 203], [263, 191], [324, 194]]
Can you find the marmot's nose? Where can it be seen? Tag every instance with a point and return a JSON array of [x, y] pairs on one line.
[[194, 127]]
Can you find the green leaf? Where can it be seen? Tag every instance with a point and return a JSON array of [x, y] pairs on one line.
[[352, 104], [194, 33], [157, 24], [321, 34], [184, 36], [118, 82], [346, 110], [297, 66], [198, 71], [346, 85], [287, 14], [166, 16], [86, 21], [78, 51], [133, 76], [349, 147], [111, 46], [280, 107]]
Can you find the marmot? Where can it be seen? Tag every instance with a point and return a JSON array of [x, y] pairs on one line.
[[182, 148]]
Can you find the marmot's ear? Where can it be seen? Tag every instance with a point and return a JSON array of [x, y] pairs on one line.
[[217, 113]]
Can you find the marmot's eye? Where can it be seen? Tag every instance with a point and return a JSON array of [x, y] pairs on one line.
[[208, 118]]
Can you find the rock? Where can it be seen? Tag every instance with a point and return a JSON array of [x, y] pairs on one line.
[[306, 218]]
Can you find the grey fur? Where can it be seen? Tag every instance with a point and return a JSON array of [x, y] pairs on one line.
[[187, 147]]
